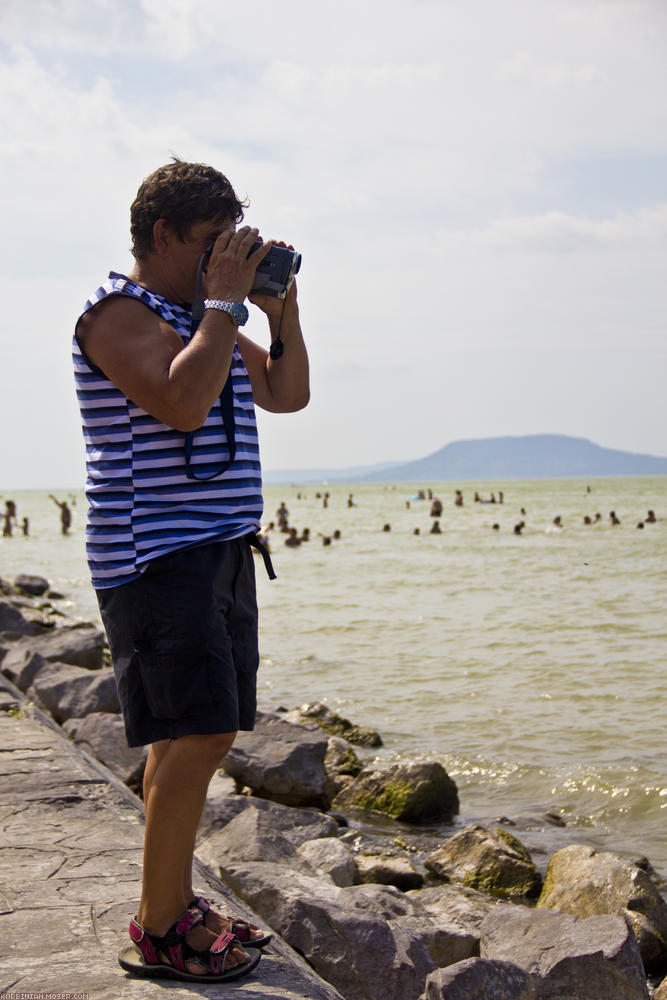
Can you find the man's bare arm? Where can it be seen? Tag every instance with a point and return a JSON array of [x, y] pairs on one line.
[[145, 358], [283, 385]]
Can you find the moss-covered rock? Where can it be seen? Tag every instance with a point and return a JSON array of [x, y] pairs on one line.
[[335, 725], [487, 859], [411, 792]]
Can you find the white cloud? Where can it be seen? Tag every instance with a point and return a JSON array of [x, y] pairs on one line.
[[558, 232], [412, 151]]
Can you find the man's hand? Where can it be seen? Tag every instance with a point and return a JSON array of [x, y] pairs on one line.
[[230, 271], [269, 304]]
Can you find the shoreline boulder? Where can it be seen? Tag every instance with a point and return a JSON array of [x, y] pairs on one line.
[[102, 734], [77, 643], [592, 959], [480, 979], [334, 724], [487, 859], [282, 761], [415, 793], [585, 882], [70, 692]]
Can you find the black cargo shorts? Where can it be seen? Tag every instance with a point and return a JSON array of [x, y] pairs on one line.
[[183, 640]]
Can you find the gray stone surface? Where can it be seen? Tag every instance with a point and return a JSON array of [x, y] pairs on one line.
[[584, 882], [467, 908], [70, 692], [282, 761], [363, 939], [70, 857], [21, 665], [328, 856], [81, 644], [28, 584], [480, 979], [264, 831], [593, 959], [102, 734], [13, 621], [388, 870]]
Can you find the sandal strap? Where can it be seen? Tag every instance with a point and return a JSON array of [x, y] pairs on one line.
[[180, 952], [177, 949], [145, 942]]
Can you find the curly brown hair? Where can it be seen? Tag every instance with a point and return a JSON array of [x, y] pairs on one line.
[[182, 194]]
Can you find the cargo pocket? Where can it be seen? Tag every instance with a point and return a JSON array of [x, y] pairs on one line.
[[174, 675]]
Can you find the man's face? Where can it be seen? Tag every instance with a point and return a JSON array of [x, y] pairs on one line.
[[186, 253]]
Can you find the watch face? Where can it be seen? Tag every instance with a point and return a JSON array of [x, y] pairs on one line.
[[240, 314]]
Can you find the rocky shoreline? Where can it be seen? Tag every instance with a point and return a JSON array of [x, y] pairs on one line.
[[336, 849]]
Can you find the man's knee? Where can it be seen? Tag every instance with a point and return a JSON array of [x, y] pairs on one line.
[[215, 746]]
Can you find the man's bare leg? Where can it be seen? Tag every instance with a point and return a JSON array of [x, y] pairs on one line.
[[177, 776]]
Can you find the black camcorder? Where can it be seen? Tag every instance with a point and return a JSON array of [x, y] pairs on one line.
[[275, 274]]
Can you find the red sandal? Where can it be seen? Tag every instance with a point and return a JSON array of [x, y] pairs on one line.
[[241, 928], [142, 958]]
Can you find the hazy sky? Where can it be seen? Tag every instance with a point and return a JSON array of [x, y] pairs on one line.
[[478, 188]]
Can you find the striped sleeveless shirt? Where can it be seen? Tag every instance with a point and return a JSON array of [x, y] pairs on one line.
[[141, 503]]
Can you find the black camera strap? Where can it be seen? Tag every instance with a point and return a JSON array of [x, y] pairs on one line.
[[226, 396]]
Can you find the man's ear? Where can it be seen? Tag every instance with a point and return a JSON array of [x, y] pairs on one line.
[[162, 237]]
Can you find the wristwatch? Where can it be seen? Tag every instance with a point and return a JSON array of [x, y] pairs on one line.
[[236, 310]]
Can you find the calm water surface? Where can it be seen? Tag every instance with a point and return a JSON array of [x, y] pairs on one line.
[[531, 666]]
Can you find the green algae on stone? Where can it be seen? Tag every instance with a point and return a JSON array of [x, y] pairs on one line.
[[410, 793], [336, 725], [487, 859]]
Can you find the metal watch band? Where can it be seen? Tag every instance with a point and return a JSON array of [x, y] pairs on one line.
[[236, 310]]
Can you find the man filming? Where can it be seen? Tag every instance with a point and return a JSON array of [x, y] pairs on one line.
[[174, 487]]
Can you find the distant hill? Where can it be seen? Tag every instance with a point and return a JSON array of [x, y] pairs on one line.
[[535, 456], [353, 474]]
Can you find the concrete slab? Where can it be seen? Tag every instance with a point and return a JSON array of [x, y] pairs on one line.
[[71, 838]]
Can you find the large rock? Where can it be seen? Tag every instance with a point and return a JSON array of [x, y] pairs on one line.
[[258, 833], [334, 724], [585, 882], [457, 907], [23, 669], [488, 859], [480, 979], [282, 761], [593, 959], [80, 644], [222, 804], [661, 990], [72, 692], [33, 585], [410, 792], [329, 856], [354, 937], [102, 735], [385, 869], [341, 763], [14, 622]]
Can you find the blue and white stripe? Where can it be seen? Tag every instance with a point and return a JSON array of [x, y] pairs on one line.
[[141, 503]]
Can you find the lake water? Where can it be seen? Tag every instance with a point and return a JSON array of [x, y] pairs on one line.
[[532, 666]]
